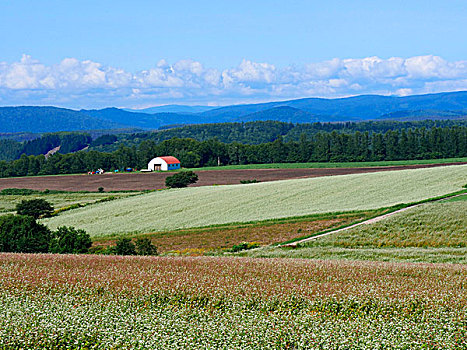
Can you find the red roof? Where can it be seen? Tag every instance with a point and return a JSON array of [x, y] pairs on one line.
[[170, 160]]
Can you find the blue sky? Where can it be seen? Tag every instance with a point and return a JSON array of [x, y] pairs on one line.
[[144, 53]]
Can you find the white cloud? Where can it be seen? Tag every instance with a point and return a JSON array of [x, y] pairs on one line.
[[76, 83], [404, 92], [249, 71]]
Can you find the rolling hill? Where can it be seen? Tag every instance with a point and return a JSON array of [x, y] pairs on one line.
[[449, 105], [49, 119], [209, 205], [141, 120], [359, 107]]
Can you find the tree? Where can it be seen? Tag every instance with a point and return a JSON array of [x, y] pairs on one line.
[[35, 208], [189, 159], [22, 234], [124, 246], [70, 240], [144, 246], [181, 179]]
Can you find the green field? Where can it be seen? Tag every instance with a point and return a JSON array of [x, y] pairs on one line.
[[419, 255], [434, 225], [335, 165], [432, 232], [204, 206], [60, 201]]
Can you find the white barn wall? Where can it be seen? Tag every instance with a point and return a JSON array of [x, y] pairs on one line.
[[164, 165]]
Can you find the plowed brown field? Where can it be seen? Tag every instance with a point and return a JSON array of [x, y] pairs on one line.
[[146, 181]]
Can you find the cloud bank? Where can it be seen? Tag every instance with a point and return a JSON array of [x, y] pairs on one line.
[[86, 84]]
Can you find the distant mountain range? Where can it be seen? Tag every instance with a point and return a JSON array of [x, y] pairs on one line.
[[449, 105], [172, 109]]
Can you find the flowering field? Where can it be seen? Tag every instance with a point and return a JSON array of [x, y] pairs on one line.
[[53, 301], [203, 206]]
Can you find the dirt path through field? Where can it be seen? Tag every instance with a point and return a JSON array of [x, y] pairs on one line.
[[366, 222], [148, 181]]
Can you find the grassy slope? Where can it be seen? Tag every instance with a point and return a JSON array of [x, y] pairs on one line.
[[427, 255], [58, 200], [433, 232], [335, 165], [430, 225], [203, 206]]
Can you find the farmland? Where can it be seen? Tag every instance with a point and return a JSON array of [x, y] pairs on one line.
[[225, 175], [430, 225], [218, 239], [50, 301], [432, 232], [321, 165], [204, 206], [255, 300], [60, 201]]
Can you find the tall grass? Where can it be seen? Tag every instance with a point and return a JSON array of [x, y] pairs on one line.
[[203, 206]]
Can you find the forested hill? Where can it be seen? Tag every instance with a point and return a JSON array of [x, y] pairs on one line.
[[258, 132], [143, 120], [362, 107], [61, 142], [252, 133], [49, 119], [452, 105], [417, 143]]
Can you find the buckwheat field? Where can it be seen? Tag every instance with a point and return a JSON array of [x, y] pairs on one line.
[[90, 302]]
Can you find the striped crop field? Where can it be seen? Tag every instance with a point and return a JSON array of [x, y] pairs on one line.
[[203, 206], [435, 225], [115, 302], [432, 232]]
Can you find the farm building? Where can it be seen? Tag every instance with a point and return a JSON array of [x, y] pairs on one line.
[[163, 164]]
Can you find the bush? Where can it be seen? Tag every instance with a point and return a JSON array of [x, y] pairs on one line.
[[35, 208], [181, 179], [100, 249], [100, 189], [244, 246], [144, 246], [254, 181], [70, 240], [123, 246], [22, 234]]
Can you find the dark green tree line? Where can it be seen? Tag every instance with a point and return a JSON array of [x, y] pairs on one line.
[[417, 143]]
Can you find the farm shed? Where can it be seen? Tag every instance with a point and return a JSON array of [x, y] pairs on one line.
[[163, 163]]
